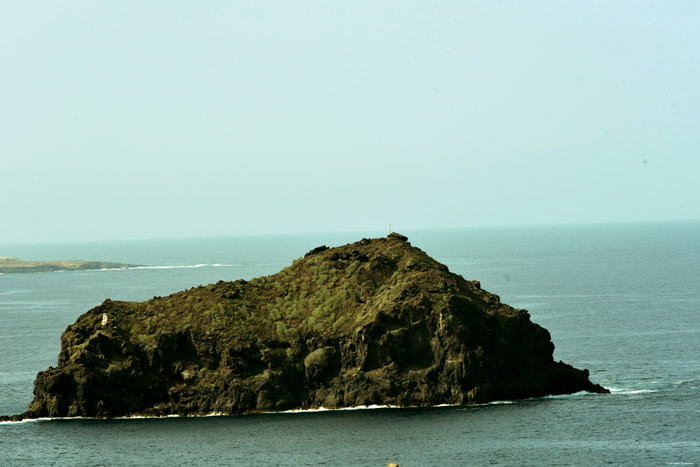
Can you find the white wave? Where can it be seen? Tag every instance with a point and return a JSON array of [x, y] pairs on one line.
[[129, 417], [40, 419], [315, 410], [567, 396], [638, 391], [222, 414], [50, 419], [10, 422], [215, 265], [684, 381], [324, 409], [627, 391], [148, 417], [375, 406], [469, 406], [369, 407], [171, 266]]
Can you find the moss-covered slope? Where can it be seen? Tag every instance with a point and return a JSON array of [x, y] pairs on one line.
[[373, 322]]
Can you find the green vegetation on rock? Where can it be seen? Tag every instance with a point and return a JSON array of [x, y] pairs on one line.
[[373, 322]]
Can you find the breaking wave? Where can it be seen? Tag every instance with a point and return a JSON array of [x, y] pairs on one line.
[[188, 266], [628, 391]]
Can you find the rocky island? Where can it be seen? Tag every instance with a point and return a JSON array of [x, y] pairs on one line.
[[14, 265], [373, 322]]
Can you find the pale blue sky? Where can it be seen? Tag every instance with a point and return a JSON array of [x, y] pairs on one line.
[[156, 119]]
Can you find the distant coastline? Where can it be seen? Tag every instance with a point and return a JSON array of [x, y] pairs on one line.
[[10, 265]]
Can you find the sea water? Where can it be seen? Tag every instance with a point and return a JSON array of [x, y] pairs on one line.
[[621, 300]]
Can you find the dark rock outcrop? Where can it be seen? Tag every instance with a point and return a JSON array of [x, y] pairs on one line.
[[373, 322]]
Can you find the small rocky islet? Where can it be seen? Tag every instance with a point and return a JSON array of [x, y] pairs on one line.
[[376, 322], [9, 265]]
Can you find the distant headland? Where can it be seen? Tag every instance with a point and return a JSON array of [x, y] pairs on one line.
[[13, 265], [376, 322]]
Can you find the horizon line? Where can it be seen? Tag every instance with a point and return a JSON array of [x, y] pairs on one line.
[[351, 231]]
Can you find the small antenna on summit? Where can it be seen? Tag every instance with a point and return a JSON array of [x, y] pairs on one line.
[[389, 229]]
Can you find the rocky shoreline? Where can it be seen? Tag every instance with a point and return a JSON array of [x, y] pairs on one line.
[[376, 322]]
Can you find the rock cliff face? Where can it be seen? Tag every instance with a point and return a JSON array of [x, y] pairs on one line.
[[373, 322]]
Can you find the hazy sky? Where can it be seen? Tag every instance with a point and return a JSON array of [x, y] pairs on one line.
[[129, 119]]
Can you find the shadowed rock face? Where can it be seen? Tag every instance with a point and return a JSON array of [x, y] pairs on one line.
[[374, 322]]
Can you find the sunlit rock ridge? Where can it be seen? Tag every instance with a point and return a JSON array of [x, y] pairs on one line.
[[373, 322]]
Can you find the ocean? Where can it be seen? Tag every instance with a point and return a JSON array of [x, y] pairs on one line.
[[622, 300]]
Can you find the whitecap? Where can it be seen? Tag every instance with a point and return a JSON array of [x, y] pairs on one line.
[[222, 414], [370, 407], [567, 396], [324, 409], [625, 391], [190, 266], [40, 419], [143, 417], [469, 406]]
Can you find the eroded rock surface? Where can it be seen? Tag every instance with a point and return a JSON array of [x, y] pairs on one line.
[[373, 322]]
